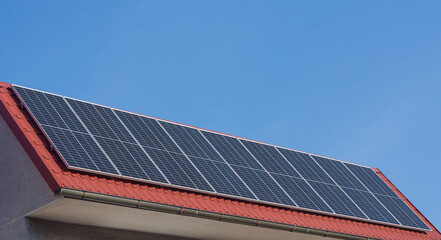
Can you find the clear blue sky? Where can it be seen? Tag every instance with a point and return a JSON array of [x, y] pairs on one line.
[[354, 80]]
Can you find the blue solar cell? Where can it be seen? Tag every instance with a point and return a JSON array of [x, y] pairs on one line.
[[305, 166], [232, 150], [148, 132], [200, 140], [337, 199], [219, 182], [207, 160], [70, 148], [95, 154], [270, 158], [63, 128], [96, 124], [74, 147], [65, 113], [41, 108], [178, 169], [339, 173], [371, 180], [31, 103], [238, 184], [191, 141], [303, 195], [370, 206], [222, 178], [263, 186], [111, 120], [401, 211], [123, 159]]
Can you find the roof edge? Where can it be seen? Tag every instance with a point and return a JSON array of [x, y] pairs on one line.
[[216, 216], [404, 198], [20, 127]]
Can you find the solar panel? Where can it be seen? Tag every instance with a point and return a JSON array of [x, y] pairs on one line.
[[104, 140]]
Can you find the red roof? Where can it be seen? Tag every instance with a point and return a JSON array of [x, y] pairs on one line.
[[57, 175]]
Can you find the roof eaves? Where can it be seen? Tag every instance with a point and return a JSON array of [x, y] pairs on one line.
[[217, 216]]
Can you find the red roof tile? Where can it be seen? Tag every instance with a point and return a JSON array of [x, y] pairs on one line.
[[57, 175]]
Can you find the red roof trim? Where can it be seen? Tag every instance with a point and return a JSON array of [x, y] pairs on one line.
[[57, 175], [404, 198]]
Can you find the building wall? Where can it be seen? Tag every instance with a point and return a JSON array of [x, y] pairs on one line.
[[22, 188]]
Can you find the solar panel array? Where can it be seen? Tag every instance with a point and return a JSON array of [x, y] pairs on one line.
[[105, 140]]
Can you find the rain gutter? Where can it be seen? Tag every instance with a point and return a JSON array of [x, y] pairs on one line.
[[146, 205]]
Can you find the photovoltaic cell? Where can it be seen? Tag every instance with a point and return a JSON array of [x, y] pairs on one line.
[[402, 212], [371, 180], [370, 206], [207, 160], [95, 154], [301, 193], [72, 150], [96, 138], [263, 186], [65, 131], [232, 150], [178, 169], [270, 158], [339, 173], [92, 119], [222, 178], [65, 113], [147, 131], [337, 200], [306, 166], [191, 141], [238, 184]]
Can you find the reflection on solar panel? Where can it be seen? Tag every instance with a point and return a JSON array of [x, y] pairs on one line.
[[108, 141]]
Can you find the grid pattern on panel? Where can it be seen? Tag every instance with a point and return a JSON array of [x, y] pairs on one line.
[[371, 180], [370, 206], [116, 141], [263, 186], [147, 132], [192, 145], [176, 166], [207, 160], [70, 148], [102, 139], [306, 166], [96, 155], [97, 124], [66, 113], [401, 211], [130, 160], [337, 200], [339, 173], [301, 193], [246, 166], [41, 108], [232, 150], [339, 186], [65, 131], [270, 158], [238, 184], [178, 169], [222, 178]]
